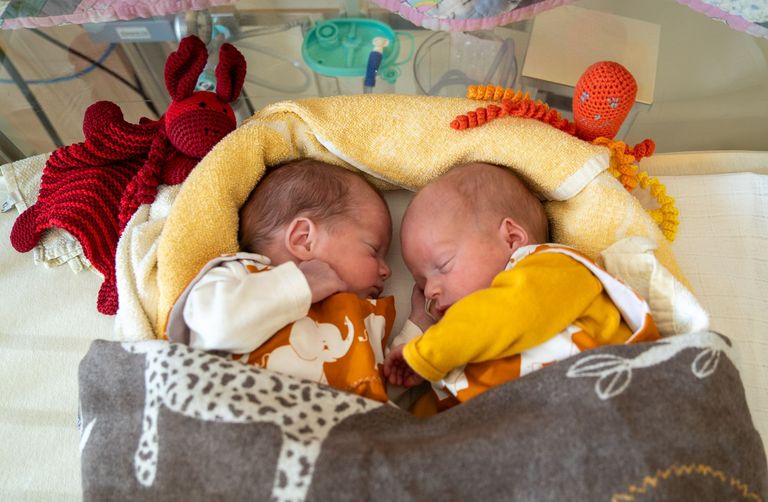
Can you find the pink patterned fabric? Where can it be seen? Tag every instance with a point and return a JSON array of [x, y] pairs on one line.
[[428, 14], [750, 16], [100, 11]]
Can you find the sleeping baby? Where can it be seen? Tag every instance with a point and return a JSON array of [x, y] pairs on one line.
[[303, 296], [506, 302]]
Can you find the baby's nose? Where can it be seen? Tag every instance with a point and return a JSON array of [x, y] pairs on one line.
[[384, 271], [431, 289]]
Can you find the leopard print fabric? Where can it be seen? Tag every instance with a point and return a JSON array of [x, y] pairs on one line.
[[200, 385]]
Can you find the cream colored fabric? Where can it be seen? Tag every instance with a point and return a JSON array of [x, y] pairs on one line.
[[675, 310], [707, 162], [136, 267], [398, 140]]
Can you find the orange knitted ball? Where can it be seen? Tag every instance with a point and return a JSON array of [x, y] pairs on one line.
[[603, 97]]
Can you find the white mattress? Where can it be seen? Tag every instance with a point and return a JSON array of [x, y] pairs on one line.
[[48, 316], [47, 321], [723, 250]]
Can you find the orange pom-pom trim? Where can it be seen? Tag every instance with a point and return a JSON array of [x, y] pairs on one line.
[[542, 112], [513, 103], [495, 93]]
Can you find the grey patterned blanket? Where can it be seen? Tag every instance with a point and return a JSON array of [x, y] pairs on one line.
[[657, 421]]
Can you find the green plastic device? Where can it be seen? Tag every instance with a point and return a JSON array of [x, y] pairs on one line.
[[340, 48]]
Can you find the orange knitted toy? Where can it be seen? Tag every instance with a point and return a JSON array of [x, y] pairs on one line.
[[604, 94], [603, 97]]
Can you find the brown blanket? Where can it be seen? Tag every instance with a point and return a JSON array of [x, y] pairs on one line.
[[661, 421]]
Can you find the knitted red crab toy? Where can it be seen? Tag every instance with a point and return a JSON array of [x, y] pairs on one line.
[[91, 189]]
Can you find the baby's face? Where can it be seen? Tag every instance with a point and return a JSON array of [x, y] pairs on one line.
[[448, 253], [355, 247]]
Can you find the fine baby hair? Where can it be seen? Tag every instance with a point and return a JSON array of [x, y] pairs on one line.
[[492, 192], [307, 187]]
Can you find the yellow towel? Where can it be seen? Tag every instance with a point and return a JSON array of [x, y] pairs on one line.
[[399, 141]]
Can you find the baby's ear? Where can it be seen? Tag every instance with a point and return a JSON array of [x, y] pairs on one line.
[[300, 238], [513, 234]]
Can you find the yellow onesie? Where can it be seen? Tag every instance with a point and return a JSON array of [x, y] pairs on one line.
[[550, 303]]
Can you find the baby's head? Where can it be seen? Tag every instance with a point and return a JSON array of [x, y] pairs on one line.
[[460, 230], [309, 210]]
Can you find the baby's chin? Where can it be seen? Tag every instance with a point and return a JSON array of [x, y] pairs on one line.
[[368, 294], [439, 313]]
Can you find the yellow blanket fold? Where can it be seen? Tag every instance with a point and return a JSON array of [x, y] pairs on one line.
[[399, 141]]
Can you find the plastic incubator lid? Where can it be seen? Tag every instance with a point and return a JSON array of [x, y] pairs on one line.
[[340, 47]]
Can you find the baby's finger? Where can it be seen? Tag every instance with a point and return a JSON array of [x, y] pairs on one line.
[[413, 379], [386, 367], [400, 375]]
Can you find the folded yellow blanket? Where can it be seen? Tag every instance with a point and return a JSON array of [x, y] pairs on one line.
[[398, 141]]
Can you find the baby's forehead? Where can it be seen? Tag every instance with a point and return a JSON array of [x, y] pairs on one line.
[[366, 208], [370, 202], [430, 208], [440, 196]]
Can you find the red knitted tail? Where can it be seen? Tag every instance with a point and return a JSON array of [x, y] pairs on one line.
[[107, 300], [23, 236]]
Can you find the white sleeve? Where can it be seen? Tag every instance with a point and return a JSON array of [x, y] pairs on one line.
[[234, 310], [407, 333]]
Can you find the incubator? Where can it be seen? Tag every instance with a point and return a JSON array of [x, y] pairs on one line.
[[87, 402]]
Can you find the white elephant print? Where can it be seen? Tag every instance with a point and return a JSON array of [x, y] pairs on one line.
[[373, 334], [312, 344]]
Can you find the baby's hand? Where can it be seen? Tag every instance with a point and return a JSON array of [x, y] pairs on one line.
[[322, 279], [419, 315], [397, 371]]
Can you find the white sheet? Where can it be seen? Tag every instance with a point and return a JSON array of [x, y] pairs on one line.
[[48, 316], [723, 250]]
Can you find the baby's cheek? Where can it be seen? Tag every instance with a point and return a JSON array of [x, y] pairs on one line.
[[356, 277], [465, 284]]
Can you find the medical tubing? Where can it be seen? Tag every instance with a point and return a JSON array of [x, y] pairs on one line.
[[374, 61], [273, 54], [267, 30], [64, 78]]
